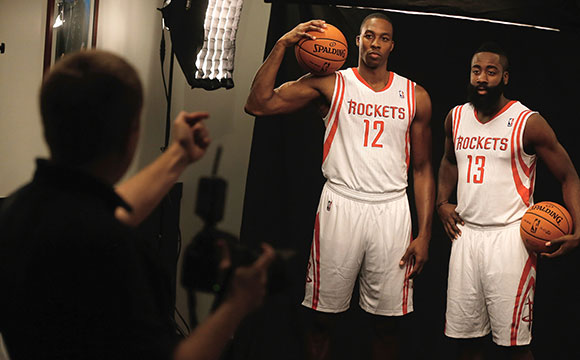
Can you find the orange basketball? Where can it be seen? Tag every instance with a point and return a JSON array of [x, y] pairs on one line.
[[543, 222], [324, 55]]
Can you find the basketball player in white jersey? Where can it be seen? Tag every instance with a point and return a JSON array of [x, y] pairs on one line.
[[491, 148], [375, 122]]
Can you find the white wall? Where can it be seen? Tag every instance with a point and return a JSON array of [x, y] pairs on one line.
[[132, 28], [22, 30]]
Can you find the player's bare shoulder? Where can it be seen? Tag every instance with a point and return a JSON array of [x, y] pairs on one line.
[[537, 132], [423, 103], [536, 122], [323, 84], [422, 95]]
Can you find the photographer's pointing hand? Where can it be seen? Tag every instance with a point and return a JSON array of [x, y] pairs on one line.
[[191, 134]]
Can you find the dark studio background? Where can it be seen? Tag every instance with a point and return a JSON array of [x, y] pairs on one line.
[[284, 178]]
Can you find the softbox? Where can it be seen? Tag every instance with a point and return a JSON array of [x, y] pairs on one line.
[[203, 39]]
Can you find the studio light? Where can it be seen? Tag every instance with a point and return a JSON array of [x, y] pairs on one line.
[[203, 35], [215, 61]]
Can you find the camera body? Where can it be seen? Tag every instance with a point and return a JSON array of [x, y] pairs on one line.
[[214, 255], [203, 263]]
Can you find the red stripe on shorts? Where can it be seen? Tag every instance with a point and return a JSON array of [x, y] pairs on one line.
[[406, 284], [519, 303], [316, 264]]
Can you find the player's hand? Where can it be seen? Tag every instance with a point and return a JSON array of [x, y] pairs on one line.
[[190, 132], [450, 219], [564, 245], [300, 32], [248, 286], [418, 254]]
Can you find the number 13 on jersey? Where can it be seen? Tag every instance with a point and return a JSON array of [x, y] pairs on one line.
[[475, 169]]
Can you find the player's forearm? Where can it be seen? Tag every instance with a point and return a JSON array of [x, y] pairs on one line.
[[424, 187], [145, 190], [263, 85], [446, 181], [571, 195]]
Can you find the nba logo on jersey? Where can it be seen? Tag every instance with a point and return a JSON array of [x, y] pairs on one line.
[[510, 122], [401, 94], [328, 205]]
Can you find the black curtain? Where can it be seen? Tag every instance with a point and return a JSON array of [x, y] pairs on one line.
[[284, 179]]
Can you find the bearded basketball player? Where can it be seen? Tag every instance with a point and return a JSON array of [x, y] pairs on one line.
[[491, 148]]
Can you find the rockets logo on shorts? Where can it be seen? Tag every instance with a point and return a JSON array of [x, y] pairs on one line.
[[528, 318], [328, 205], [523, 307]]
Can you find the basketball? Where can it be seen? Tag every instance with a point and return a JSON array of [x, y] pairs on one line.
[[543, 222], [324, 55]]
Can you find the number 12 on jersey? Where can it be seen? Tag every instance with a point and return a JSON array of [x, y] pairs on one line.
[[477, 165], [378, 125]]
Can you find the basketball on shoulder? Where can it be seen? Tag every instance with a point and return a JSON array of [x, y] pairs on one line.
[[324, 55]]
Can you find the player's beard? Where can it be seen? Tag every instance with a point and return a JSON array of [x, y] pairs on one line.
[[486, 103]]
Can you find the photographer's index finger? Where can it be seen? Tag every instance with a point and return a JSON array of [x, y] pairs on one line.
[[193, 118], [266, 258]]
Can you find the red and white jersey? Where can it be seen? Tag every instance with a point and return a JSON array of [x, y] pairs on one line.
[[366, 144], [495, 183]]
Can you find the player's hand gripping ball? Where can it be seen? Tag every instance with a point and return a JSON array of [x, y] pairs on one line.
[[544, 221], [324, 55]]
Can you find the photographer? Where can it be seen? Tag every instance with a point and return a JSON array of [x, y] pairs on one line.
[[75, 284]]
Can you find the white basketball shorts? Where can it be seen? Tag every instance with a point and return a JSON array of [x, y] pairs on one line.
[[491, 285], [364, 236]]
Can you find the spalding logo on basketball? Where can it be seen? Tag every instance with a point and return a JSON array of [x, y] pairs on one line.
[[324, 55], [543, 222]]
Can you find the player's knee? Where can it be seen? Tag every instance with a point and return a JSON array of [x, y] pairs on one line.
[[321, 323], [522, 352], [386, 325], [471, 346], [325, 322]]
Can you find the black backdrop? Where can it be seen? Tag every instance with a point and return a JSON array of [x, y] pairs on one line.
[[284, 179]]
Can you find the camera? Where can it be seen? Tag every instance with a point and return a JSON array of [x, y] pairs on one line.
[[214, 255]]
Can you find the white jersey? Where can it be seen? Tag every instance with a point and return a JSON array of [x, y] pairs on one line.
[[366, 144], [495, 182]]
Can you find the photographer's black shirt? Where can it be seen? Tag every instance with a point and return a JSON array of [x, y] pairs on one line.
[[74, 282]]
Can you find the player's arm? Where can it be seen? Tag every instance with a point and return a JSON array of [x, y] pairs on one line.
[[264, 99], [446, 183], [423, 181], [540, 136]]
